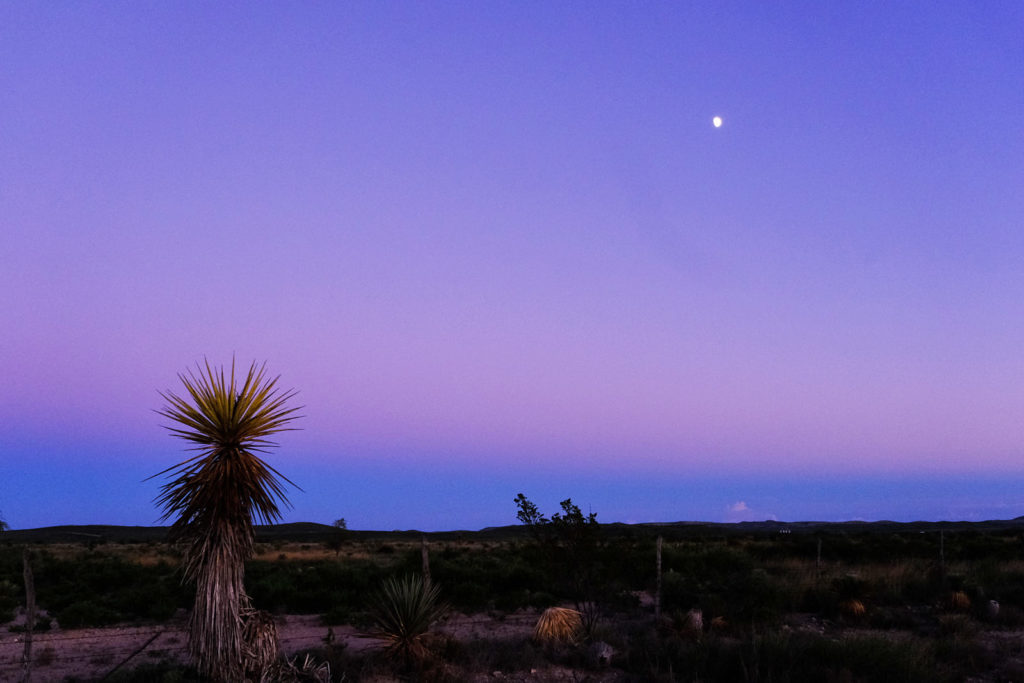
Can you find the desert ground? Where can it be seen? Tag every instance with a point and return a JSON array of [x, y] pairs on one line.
[[91, 654]]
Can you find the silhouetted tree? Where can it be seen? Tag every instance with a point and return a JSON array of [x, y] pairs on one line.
[[337, 540], [571, 543]]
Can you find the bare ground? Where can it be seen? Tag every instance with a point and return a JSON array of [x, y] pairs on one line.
[[90, 654]]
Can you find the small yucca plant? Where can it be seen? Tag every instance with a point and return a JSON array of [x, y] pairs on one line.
[[402, 612]]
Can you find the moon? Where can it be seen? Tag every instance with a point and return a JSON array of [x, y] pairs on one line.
[[717, 122]]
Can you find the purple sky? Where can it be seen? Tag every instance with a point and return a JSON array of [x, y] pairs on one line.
[[500, 247]]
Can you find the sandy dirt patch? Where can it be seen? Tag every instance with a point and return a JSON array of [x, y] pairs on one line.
[[92, 653]]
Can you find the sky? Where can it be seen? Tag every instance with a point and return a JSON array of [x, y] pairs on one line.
[[500, 247]]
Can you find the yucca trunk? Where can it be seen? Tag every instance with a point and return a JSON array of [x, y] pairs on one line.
[[215, 637]]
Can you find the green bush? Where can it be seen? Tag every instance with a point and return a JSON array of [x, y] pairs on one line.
[[9, 599], [159, 672], [722, 581], [87, 613], [97, 590], [320, 587], [784, 656]]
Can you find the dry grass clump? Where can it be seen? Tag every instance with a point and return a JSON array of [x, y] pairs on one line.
[[305, 552], [259, 635], [693, 622], [852, 608], [558, 625], [310, 670], [958, 601]]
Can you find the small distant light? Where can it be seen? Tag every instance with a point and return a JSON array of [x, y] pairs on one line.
[[717, 121]]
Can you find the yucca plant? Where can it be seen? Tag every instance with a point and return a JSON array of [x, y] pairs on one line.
[[402, 613], [218, 494]]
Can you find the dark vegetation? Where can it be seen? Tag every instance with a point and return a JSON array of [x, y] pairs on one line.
[[769, 610]]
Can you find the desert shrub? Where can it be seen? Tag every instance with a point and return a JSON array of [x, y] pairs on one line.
[[920, 586], [1010, 590], [1002, 581], [274, 592], [762, 599], [785, 656], [972, 545], [156, 672], [450, 552], [498, 578], [870, 658], [887, 584], [9, 599], [506, 655], [42, 625], [571, 547], [87, 613], [957, 642], [319, 587], [98, 590], [1010, 617], [677, 592], [819, 599], [45, 657], [629, 563], [958, 625], [472, 596], [653, 655], [850, 587], [722, 581], [897, 618]]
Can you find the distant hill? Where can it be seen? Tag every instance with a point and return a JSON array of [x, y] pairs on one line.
[[91, 533], [311, 532], [98, 533]]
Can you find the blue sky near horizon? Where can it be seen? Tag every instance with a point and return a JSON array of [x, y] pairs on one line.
[[502, 248]]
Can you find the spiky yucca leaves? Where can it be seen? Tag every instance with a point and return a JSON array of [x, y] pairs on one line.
[[218, 494], [402, 614], [287, 672]]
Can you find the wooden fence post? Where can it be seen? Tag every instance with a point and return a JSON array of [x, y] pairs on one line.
[[30, 617], [657, 590], [942, 555], [426, 560]]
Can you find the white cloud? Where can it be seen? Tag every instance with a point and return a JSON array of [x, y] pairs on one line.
[[741, 512]]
